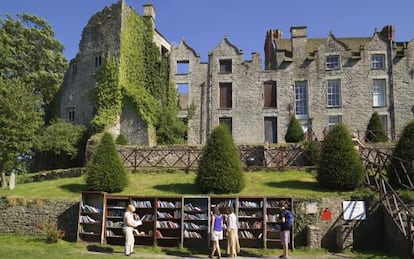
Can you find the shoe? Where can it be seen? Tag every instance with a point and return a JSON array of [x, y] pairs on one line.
[[210, 256]]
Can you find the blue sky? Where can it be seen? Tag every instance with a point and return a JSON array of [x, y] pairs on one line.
[[204, 23]]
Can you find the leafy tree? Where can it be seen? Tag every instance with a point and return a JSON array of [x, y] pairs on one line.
[[403, 156], [20, 119], [219, 168], [294, 133], [312, 152], [60, 145], [106, 172], [340, 167], [375, 130], [30, 52]]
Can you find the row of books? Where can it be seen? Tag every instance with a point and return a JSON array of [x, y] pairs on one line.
[[248, 235], [169, 204], [88, 220], [167, 224], [252, 214], [142, 204], [90, 209], [166, 215], [112, 224], [251, 204], [251, 225], [190, 207], [192, 234], [197, 216], [274, 203], [194, 226], [115, 213]]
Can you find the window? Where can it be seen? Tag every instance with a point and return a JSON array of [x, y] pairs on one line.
[[182, 88], [333, 120], [183, 67], [225, 66], [332, 62], [384, 121], [71, 114], [270, 129], [301, 99], [269, 94], [377, 61], [334, 93], [74, 69], [378, 93], [98, 61], [225, 95], [228, 122]]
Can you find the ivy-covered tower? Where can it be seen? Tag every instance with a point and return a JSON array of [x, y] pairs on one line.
[[116, 37]]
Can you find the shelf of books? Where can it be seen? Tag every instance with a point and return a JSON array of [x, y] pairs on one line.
[[250, 217], [91, 218], [196, 222], [273, 209], [223, 203], [115, 209], [145, 209], [168, 221]]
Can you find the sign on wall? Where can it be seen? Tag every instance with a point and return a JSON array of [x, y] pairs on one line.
[[353, 210]]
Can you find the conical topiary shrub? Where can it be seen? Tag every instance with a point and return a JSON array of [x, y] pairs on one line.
[[294, 133], [219, 167], [375, 130], [106, 172], [340, 167]]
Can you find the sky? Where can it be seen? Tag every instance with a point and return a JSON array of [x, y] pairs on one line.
[[204, 23]]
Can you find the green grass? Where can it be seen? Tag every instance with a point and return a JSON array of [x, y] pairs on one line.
[[293, 183]]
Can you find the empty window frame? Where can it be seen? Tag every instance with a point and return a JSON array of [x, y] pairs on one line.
[[269, 94], [333, 120], [301, 98], [377, 61], [334, 93], [71, 114], [183, 67], [378, 93], [228, 122], [98, 61], [225, 66], [332, 62], [225, 96], [182, 88]]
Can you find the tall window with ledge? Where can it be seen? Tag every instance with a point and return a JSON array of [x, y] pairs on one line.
[[334, 93], [333, 120], [378, 93], [183, 90], [98, 61], [228, 122], [225, 66], [377, 61], [183, 67], [269, 94], [225, 96], [332, 62], [301, 99], [71, 114]]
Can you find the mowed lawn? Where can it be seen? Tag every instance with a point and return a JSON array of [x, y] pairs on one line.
[[293, 183]]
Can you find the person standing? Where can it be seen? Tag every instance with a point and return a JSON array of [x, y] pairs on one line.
[[233, 245], [216, 232], [131, 221], [285, 226]]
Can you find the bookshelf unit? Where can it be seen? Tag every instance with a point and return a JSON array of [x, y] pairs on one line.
[[250, 221], [168, 221], [115, 209], [196, 222], [224, 203], [145, 208], [272, 228], [91, 217]]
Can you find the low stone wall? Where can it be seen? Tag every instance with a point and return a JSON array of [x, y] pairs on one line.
[[22, 216], [55, 174]]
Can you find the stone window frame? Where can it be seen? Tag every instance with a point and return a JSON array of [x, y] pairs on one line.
[[225, 66], [333, 62], [182, 67], [301, 99], [333, 93], [270, 88], [98, 60], [225, 95], [377, 92], [71, 113], [377, 61]]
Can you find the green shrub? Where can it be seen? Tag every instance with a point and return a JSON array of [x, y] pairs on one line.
[[105, 171], [375, 130], [403, 156], [312, 152], [294, 133], [340, 167], [219, 168], [121, 140]]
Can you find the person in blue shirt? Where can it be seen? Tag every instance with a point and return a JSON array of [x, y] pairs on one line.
[[216, 231]]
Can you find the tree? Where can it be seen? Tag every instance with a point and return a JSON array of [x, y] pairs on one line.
[[20, 119], [294, 133], [106, 172], [403, 156], [59, 145], [30, 52], [375, 130], [219, 168], [340, 167]]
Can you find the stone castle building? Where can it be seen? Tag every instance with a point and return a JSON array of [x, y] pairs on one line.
[[321, 81]]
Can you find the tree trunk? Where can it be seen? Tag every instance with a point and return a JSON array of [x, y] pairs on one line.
[[3, 180]]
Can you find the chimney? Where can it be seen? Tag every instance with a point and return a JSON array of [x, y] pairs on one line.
[[149, 11], [388, 32], [299, 41], [269, 51]]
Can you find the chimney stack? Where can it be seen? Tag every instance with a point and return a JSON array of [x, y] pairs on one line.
[[388, 32]]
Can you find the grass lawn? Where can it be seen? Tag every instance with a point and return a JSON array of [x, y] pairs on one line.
[[293, 183]]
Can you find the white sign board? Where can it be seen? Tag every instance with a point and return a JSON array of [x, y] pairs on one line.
[[353, 210]]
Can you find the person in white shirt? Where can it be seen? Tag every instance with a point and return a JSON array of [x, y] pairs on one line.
[[131, 221], [233, 246]]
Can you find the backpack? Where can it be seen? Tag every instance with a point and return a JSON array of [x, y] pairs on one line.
[[289, 218]]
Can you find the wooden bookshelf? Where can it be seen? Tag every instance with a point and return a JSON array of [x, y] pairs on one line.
[[114, 217], [168, 221], [196, 222], [91, 217], [272, 226], [145, 208], [251, 221]]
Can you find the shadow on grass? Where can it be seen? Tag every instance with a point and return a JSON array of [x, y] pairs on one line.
[[180, 188], [100, 249], [296, 184], [74, 187]]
